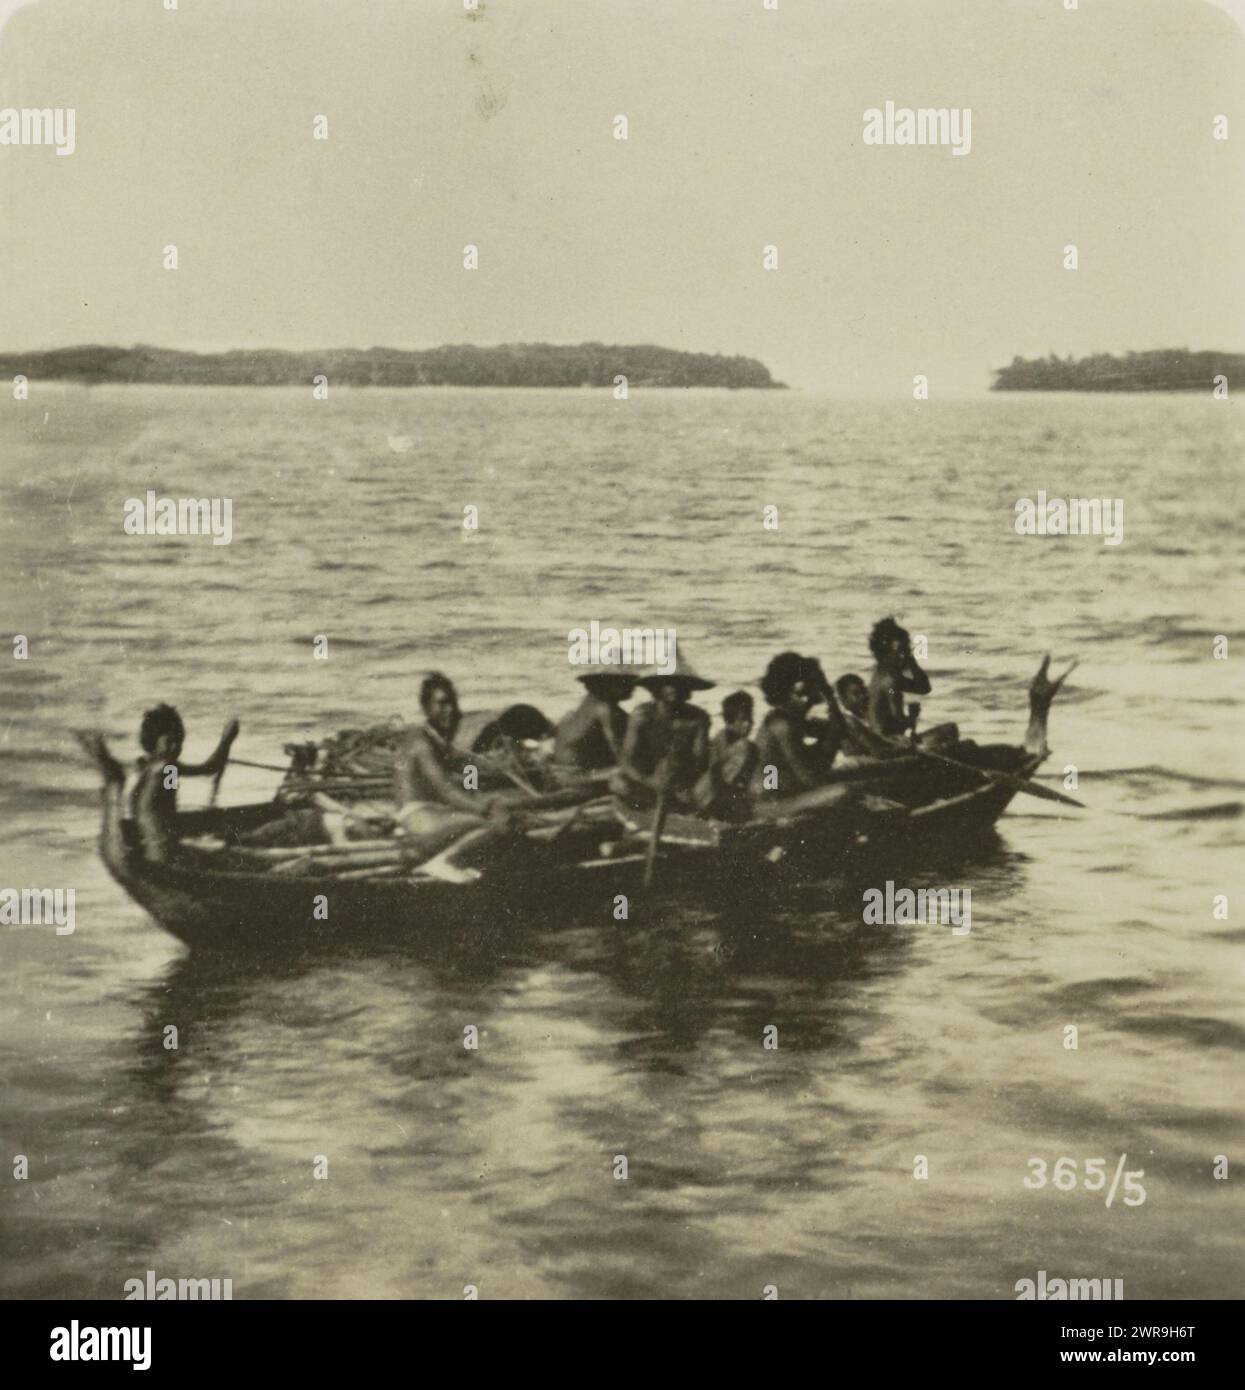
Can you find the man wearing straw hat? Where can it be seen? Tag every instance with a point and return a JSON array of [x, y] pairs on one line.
[[590, 738], [667, 742]]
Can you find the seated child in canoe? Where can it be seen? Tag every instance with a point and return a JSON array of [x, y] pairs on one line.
[[722, 793]]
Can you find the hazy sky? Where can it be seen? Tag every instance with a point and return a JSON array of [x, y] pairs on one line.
[[194, 127]]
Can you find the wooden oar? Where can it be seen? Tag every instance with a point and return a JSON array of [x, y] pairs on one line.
[[264, 767], [552, 825], [216, 781], [554, 801], [1004, 779], [654, 839], [659, 824], [498, 766], [226, 743]]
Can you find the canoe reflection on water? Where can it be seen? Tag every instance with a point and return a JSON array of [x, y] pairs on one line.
[[672, 971], [355, 1051]]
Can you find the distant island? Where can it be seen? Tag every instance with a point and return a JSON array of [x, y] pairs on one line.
[[517, 364], [1166, 369]]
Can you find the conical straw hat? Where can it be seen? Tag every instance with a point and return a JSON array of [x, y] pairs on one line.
[[682, 673]]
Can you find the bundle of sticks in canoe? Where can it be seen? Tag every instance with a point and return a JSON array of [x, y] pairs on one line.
[[358, 763]]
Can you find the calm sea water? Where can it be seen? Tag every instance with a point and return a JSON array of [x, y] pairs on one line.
[[746, 1166]]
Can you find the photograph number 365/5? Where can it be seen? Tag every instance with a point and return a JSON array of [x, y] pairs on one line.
[[621, 651]]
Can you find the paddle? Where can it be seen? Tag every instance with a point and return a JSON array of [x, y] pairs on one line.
[[226, 743], [1004, 779], [269, 767], [216, 782], [521, 782], [659, 824]]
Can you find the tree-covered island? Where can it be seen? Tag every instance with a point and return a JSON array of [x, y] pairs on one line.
[[518, 364], [1165, 369]]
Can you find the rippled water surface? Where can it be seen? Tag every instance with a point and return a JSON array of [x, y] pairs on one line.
[[746, 1166]]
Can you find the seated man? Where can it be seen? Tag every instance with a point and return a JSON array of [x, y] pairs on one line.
[[153, 801], [895, 674], [859, 740], [722, 792], [590, 738], [435, 810], [790, 775], [667, 744]]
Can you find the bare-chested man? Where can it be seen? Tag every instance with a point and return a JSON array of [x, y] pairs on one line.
[[895, 675], [590, 738], [667, 742], [791, 774], [434, 808]]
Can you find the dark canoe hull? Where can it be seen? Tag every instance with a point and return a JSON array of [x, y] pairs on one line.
[[213, 910], [206, 907]]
